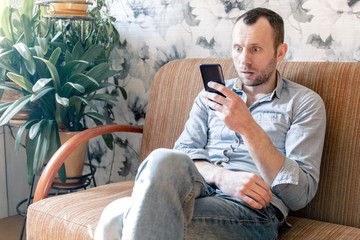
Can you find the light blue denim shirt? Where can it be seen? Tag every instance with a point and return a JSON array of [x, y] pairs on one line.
[[294, 119]]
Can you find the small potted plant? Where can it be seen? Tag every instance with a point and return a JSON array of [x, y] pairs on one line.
[[61, 83]]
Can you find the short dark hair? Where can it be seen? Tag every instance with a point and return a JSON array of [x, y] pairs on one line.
[[275, 20]]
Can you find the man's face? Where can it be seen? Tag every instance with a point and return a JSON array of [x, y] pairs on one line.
[[253, 52]]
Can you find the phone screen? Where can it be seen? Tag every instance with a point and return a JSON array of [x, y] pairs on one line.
[[212, 72]]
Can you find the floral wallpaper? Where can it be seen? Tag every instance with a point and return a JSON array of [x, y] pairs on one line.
[[154, 32]]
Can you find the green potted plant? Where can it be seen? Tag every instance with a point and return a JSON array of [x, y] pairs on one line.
[[61, 83]]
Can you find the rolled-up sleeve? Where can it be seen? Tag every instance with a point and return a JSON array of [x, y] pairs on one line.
[[193, 139], [297, 181]]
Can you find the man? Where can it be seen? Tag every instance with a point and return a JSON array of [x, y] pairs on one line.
[[238, 169]]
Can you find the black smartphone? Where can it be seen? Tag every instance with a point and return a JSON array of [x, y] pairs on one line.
[[212, 72]]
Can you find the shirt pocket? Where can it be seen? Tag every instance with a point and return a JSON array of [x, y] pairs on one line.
[[276, 126]]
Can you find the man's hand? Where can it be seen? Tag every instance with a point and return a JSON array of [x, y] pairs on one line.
[[242, 185], [232, 110], [248, 187]]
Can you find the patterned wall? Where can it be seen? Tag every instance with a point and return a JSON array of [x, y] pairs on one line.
[[154, 32]]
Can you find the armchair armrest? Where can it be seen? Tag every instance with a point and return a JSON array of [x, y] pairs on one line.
[[54, 164]]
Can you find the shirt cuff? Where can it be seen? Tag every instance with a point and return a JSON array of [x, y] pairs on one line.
[[196, 153], [289, 174]]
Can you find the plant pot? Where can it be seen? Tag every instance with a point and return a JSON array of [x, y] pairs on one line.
[[11, 96], [74, 164], [69, 8]]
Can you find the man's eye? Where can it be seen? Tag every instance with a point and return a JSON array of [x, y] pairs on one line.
[[237, 48], [256, 49]]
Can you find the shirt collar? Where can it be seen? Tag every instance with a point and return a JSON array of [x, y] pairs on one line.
[[277, 92]]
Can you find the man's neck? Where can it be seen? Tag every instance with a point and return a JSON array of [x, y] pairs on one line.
[[254, 93]]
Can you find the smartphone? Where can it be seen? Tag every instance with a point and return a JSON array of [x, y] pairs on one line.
[[212, 72]]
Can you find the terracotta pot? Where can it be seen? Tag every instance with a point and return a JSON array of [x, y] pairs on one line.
[[74, 164], [69, 8]]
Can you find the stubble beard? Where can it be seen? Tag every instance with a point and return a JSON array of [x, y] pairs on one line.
[[264, 76]]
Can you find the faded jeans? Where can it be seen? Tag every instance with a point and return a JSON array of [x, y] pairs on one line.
[[171, 200]]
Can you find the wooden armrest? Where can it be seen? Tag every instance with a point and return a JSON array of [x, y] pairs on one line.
[[54, 164]]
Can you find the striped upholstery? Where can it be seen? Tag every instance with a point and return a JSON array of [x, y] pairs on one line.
[[74, 216]]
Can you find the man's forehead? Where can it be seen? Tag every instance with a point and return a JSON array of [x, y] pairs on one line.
[[261, 30]]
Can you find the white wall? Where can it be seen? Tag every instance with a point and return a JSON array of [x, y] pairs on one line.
[[13, 179], [3, 190]]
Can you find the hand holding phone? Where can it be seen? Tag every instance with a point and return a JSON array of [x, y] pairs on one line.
[[212, 72]]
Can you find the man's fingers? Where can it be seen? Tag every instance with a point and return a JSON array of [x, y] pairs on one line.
[[213, 100], [252, 202], [256, 192]]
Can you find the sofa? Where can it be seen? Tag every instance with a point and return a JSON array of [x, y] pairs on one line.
[[334, 213]]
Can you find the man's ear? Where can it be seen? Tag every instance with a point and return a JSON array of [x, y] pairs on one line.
[[281, 51]]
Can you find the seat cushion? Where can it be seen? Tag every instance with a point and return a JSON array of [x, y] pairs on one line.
[[307, 229], [75, 216], [72, 216]]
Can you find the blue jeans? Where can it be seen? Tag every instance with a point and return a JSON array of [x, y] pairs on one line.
[[172, 201]]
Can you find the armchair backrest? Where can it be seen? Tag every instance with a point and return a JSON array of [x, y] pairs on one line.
[[172, 95], [177, 83]]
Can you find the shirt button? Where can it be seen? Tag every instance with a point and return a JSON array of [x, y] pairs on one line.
[[225, 152], [236, 140]]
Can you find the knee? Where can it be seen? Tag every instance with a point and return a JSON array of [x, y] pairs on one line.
[[166, 162]]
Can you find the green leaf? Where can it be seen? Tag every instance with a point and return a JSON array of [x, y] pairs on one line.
[[42, 82], [55, 56], [76, 99], [30, 66], [5, 43], [39, 51], [69, 86], [62, 173], [95, 115], [4, 106], [53, 147], [72, 64], [35, 129], [78, 51], [61, 100], [3, 5], [5, 24], [43, 43], [68, 56], [21, 81], [13, 109], [123, 92], [25, 20], [25, 53], [83, 80], [92, 52], [40, 93], [27, 8], [30, 150], [98, 71], [40, 155], [4, 61], [19, 134], [109, 140], [54, 73], [56, 36], [8, 87], [23, 50], [103, 96]]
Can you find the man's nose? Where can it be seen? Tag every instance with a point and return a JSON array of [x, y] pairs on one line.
[[245, 58]]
